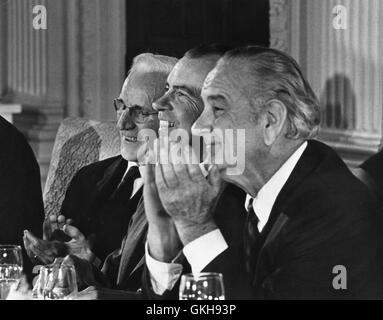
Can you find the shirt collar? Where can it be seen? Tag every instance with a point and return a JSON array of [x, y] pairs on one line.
[[265, 198], [131, 164]]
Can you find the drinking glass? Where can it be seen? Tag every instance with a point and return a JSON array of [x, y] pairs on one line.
[[56, 282], [202, 286], [11, 268]]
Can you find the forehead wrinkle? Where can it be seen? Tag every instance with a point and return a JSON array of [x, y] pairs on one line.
[[218, 85]]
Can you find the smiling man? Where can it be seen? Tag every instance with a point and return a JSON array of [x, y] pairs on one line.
[[102, 197], [308, 217]]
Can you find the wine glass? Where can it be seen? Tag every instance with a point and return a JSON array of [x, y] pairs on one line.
[[202, 286], [56, 282], [11, 268]]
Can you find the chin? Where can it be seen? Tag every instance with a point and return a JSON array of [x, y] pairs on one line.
[[129, 152]]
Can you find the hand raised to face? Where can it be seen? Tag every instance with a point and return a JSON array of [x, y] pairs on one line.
[[187, 196]]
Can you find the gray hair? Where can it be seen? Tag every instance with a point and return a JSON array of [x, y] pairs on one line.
[[276, 75], [149, 62]]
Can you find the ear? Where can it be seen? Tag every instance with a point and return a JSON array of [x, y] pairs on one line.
[[276, 114]]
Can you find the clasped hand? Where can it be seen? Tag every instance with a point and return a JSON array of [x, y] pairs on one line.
[[46, 250], [186, 195]]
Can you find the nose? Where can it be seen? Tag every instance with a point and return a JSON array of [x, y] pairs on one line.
[[162, 104], [125, 121], [204, 124]]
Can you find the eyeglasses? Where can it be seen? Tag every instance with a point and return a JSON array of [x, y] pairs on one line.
[[135, 111]]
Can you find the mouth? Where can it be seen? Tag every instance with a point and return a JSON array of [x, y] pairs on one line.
[[130, 139], [166, 124]]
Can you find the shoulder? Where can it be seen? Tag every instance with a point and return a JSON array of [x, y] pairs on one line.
[[97, 170], [16, 152], [331, 193]]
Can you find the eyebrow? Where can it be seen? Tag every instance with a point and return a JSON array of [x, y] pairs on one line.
[[191, 90], [217, 97]]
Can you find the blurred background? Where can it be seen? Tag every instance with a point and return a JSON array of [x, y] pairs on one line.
[[76, 66]]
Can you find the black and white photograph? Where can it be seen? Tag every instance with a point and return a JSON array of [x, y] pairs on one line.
[[217, 150]]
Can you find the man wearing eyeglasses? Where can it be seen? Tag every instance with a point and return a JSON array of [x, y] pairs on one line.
[[103, 196]]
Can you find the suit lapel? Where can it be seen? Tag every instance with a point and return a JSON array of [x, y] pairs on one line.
[[135, 233], [109, 182], [279, 215]]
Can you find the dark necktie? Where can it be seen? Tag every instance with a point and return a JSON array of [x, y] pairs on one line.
[[251, 238], [125, 188]]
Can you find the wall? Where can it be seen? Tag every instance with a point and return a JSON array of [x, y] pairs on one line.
[[73, 68], [344, 66]]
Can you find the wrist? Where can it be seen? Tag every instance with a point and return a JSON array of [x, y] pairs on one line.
[[190, 231], [163, 244]]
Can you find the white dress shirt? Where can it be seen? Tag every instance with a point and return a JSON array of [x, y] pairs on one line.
[[205, 249], [138, 183]]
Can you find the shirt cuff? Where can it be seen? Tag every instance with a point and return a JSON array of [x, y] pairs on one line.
[[205, 249], [163, 276]]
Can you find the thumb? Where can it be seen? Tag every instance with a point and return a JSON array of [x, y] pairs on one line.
[[30, 237], [214, 178], [73, 232]]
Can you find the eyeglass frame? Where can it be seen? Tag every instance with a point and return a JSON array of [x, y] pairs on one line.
[[124, 107]]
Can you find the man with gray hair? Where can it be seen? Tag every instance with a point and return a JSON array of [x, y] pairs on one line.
[[312, 229], [103, 196]]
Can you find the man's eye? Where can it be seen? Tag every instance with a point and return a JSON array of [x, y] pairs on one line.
[[180, 94], [167, 87]]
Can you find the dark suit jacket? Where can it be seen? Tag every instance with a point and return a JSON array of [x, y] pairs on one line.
[[322, 218], [21, 204], [96, 208], [124, 267]]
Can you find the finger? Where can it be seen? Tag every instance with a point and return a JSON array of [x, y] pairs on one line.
[[193, 167], [214, 179], [53, 222], [169, 175], [61, 221], [31, 238], [163, 144], [26, 242], [69, 221], [180, 161], [160, 180], [45, 255], [73, 232], [190, 155], [148, 173]]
